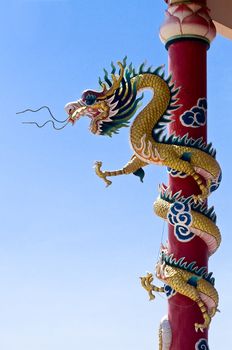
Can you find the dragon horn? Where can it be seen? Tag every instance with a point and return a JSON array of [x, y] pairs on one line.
[[116, 83]]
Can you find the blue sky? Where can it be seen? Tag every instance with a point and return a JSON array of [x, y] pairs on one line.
[[71, 251]]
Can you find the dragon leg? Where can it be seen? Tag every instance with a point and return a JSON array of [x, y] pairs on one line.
[[147, 284], [133, 166], [205, 314]]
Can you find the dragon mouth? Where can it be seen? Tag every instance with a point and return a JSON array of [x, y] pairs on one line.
[[93, 114], [78, 109], [97, 112], [83, 111]]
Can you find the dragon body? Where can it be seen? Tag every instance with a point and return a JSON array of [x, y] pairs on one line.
[[112, 108], [188, 280], [202, 220]]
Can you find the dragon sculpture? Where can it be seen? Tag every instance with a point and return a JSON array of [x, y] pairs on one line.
[[116, 104], [186, 279], [112, 108]]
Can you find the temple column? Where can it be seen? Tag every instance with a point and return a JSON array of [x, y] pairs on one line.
[[187, 33]]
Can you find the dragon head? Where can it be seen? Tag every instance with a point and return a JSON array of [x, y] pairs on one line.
[[89, 105], [111, 108]]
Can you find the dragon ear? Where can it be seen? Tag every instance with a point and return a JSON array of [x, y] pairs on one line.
[[116, 83]]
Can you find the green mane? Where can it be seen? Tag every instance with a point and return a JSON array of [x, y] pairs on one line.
[[124, 99]]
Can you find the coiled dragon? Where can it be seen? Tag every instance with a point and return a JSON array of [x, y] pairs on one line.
[[111, 109]]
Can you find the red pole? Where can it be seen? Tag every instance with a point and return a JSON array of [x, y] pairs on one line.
[[187, 33]]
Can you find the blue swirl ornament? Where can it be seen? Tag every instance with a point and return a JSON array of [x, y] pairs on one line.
[[202, 102], [169, 291], [202, 344], [215, 184], [196, 116], [179, 216]]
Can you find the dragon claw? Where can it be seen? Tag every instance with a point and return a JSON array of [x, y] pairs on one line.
[[199, 327], [203, 326], [101, 173], [147, 284]]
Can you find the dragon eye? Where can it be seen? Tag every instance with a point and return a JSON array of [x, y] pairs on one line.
[[90, 99]]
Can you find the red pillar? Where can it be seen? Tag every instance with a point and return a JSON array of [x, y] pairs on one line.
[[187, 33]]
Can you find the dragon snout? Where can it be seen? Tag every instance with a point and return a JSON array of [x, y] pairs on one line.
[[69, 108], [74, 110]]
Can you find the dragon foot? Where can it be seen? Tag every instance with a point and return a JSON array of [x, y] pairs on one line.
[[101, 174], [202, 326], [147, 284]]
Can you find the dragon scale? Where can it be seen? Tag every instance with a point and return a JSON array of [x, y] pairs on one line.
[[151, 151], [113, 108]]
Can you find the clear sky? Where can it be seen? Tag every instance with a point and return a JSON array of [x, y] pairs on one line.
[[72, 251]]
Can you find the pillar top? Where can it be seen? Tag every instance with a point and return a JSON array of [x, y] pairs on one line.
[[171, 2], [187, 20]]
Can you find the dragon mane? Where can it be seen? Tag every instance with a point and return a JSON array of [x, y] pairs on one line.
[[123, 100]]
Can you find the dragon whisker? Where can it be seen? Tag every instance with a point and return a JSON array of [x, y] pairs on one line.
[[48, 121], [37, 110]]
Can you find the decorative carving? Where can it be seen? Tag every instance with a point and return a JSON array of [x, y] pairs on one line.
[[115, 105], [187, 20], [179, 215], [113, 108], [189, 280], [201, 222], [196, 116], [202, 344]]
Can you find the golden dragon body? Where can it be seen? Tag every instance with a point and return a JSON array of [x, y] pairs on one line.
[[146, 138], [148, 151], [111, 109]]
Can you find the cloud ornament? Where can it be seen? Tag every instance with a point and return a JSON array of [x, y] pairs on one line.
[[202, 344], [179, 216], [196, 116], [169, 291]]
